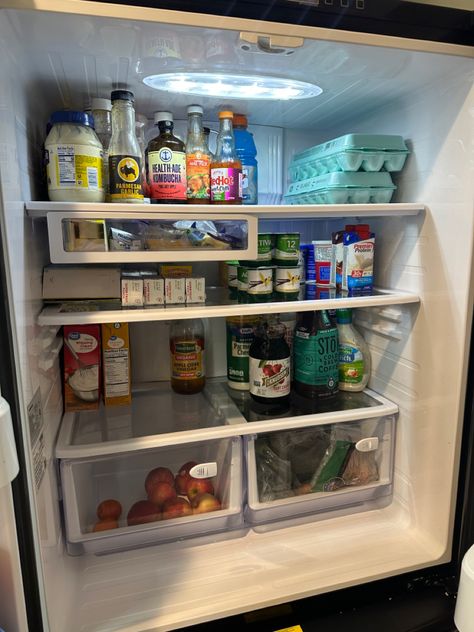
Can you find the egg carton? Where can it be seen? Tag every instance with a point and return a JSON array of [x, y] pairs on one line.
[[352, 152], [342, 188]]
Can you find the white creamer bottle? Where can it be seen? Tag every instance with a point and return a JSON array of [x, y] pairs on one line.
[[354, 354]]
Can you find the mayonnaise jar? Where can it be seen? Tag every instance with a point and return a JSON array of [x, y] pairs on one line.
[[74, 157]]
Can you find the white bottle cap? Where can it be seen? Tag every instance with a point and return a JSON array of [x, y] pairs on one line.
[[163, 116], [101, 104], [195, 109]]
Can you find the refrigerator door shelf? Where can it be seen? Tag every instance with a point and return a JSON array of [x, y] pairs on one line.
[[146, 236], [216, 413], [319, 470], [86, 483]]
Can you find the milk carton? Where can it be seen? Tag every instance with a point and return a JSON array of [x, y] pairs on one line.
[[358, 261]]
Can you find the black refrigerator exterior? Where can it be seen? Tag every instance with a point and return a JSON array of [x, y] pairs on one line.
[[422, 601]]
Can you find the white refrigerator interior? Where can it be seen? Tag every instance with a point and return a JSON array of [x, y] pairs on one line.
[[422, 91]]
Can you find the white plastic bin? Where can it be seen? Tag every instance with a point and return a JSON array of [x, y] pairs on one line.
[[319, 469], [87, 482]]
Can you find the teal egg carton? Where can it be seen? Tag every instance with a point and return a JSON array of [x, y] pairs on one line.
[[342, 188], [352, 152]]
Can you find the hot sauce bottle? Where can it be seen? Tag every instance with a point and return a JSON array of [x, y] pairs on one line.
[[198, 159], [226, 167]]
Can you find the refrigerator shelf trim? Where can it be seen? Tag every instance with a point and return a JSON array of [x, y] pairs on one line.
[[235, 426], [52, 314], [37, 210]]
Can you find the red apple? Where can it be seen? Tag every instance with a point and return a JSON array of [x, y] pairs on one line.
[[204, 503], [161, 492], [198, 486], [183, 476], [109, 510], [143, 511], [105, 525], [176, 508], [184, 469], [158, 475]]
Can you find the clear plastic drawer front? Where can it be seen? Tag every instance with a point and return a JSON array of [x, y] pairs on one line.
[[124, 501], [319, 469], [85, 237]]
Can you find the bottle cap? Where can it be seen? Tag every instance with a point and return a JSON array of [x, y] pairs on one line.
[[240, 120], [72, 116], [122, 95], [101, 104], [162, 116], [195, 109], [344, 316], [226, 114]]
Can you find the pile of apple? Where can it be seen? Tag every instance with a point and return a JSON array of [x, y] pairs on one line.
[[168, 496]]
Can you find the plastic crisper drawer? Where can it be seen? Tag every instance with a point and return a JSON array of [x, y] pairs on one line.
[[88, 482], [342, 188], [352, 152], [319, 470]]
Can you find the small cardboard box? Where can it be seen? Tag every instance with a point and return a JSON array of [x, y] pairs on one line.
[[116, 364], [132, 289], [196, 290], [175, 293], [81, 367], [153, 289]]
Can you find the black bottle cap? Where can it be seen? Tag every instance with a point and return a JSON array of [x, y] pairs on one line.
[[122, 95]]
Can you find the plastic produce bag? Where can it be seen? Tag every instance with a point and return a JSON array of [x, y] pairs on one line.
[[304, 449], [274, 478]]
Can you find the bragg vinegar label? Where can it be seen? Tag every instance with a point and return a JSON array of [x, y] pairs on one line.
[[125, 178], [167, 174]]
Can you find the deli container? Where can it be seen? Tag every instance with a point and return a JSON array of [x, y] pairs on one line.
[[88, 482], [319, 469], [352, 152], [342, 188]]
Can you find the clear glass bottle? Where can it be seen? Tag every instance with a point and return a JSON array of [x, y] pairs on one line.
[[226, 168], [124, 151], [315, 356], [140, 124], [166, 160], [101, 111], [198, 159], [188, 368]]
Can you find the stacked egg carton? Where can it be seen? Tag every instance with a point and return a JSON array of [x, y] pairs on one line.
[[351, 169]]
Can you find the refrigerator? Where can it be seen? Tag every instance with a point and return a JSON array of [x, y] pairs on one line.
[[352, 557]]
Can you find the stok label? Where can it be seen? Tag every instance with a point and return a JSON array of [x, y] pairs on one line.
[[269, 378], [198, 176], [125, 178], [187, 359], [316, 358], [226, 184], [167, 174]]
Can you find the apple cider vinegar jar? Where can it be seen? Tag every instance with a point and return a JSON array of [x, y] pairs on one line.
[[187, 370]]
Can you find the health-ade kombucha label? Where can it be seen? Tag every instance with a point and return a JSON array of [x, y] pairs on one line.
[[167, 174], [187, 359], [125, 178], [198, 176], [226, 184]]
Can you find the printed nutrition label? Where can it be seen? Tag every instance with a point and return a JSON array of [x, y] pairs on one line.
[[66, 165], [116, 366]]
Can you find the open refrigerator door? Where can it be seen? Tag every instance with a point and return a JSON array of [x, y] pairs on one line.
[[302, 501]]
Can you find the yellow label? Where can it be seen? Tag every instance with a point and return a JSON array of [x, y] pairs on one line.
[[187, 359], [74, 166], [293, 628]]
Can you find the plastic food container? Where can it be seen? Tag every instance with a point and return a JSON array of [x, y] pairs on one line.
[[352, 152], [342, 188], [319, 469], [87, 482]]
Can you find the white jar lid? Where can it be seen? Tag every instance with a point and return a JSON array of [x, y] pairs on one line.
[[163, 116], [101, 104], [195, 109]]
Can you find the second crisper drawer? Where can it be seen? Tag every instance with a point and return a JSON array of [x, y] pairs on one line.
[[319, 469], [144, 483]]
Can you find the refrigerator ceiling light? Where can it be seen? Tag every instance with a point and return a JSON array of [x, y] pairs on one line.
[[233, 86]]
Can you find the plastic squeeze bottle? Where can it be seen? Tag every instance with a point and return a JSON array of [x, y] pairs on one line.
[[354, 354], [247, 152]]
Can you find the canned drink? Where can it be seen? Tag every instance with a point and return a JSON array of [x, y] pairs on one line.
[[242, 283], [260, 284], [287, 282], [287, 249], [264, 247]]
